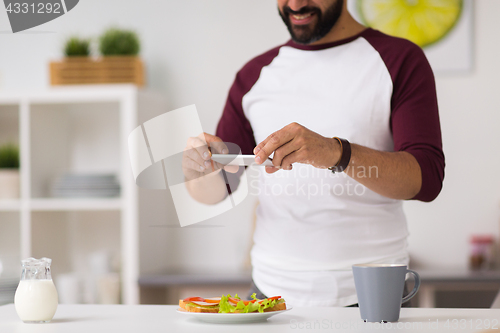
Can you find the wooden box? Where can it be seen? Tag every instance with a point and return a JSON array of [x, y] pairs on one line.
[[86, 70]]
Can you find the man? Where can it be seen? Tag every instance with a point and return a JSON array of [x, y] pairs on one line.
[[338, 96]]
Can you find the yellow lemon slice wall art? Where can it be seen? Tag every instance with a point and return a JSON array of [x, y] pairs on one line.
[[424, 22]]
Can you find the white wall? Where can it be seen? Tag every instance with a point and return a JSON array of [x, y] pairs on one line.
[[193, 48], [470, 118]]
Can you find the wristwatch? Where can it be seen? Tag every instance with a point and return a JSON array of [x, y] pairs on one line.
[[345, 156]]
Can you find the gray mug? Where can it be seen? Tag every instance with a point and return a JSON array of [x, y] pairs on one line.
[[380, 290]]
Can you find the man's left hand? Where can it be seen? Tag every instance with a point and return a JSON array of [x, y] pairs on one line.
[[295, 143]]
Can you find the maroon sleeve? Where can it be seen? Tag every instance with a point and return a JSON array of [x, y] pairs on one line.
[[233, 126], [414, 109]]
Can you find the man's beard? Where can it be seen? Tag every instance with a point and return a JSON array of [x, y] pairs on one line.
[[305, 34]]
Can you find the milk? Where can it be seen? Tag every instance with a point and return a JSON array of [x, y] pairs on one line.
[[36, 300]]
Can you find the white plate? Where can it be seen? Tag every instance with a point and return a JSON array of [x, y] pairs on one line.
[[232, 318]]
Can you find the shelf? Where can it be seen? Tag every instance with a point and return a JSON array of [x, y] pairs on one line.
[[10, 205], [57, 204], [81, 129], [70, 94]]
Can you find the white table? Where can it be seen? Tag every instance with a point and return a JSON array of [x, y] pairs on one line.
[[163, 318]]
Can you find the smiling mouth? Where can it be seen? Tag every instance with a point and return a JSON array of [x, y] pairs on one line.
[[300, 19]]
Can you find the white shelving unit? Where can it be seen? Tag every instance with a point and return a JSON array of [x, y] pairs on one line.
[[73, 129]]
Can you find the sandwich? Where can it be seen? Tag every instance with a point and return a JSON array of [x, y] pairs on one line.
[[229, 304]]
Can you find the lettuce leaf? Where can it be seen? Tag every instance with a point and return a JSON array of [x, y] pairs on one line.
[[225, 306]]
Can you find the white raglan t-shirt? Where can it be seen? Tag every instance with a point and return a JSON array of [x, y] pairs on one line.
[[313, 225]]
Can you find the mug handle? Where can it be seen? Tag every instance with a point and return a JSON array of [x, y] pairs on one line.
[[415, 288]]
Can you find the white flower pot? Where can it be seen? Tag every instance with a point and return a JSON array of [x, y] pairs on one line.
[[9, 183]]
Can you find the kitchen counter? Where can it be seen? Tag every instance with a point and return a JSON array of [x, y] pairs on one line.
[[458, 275], [164, 318], [486, 283]]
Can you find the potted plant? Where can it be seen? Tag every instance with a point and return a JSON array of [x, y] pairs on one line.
[[119, 62], [76, 66], [77, 47], [9, 171], [116, 42], [119, 50]]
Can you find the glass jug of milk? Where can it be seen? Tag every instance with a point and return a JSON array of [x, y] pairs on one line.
[[36, 296]]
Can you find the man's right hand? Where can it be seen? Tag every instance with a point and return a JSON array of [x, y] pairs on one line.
[[196, 160]]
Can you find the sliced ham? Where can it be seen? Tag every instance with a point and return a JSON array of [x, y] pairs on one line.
[[214, 301], [203, 303]]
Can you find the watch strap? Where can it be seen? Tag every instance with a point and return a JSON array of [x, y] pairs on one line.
[[345, 156]]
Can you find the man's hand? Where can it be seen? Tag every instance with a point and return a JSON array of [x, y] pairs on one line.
[[396, 175], [296, 144], [196, 160]]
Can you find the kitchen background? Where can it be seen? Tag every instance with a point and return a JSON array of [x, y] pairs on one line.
[[192, 50]]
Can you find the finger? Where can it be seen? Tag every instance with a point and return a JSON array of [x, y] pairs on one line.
[[265, 141], [209, 138], [231, 168], [195, 154], [228, 168], [189, 163], [262, 144], [196, 141], [273, 142], [294, 157], [201, 147], [293, 127], [270, 169], [219, 147], [285, 150]]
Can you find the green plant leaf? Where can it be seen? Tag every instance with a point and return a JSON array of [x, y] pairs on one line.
[[9, 156], [76, 47], [119, 42]]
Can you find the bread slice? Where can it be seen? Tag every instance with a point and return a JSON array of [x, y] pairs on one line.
[[183, 306]]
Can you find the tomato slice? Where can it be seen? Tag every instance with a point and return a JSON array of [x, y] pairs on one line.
[[274, 297], [247, 302], [236, 301], [270, 298], [231, 299], [190, 299]]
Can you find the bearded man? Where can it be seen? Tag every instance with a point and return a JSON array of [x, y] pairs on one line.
[[350, 118]]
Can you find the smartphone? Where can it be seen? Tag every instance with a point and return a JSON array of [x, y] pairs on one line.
[[241, 160]]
